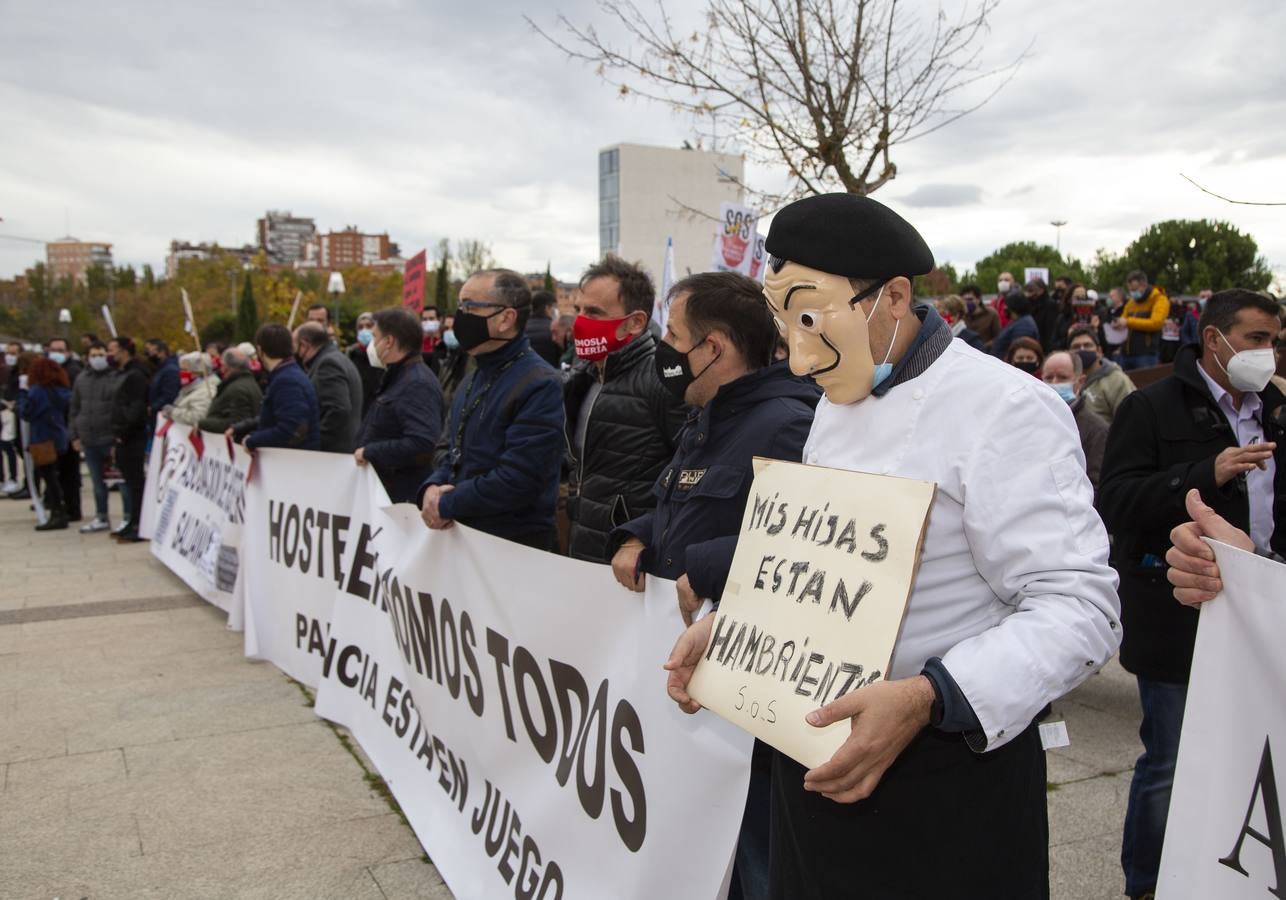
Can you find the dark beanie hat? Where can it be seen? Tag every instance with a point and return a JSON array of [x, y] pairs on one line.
[[849, 235]]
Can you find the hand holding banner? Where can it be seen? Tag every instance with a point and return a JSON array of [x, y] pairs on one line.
[[814, 600]]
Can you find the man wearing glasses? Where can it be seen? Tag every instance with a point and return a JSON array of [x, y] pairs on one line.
[[505, 432]]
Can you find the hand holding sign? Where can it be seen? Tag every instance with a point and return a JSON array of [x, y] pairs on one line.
[[813, 606]]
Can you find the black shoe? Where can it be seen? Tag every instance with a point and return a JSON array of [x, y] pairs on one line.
[[129, 537], [74, 517], [23, 494], [53, 523]]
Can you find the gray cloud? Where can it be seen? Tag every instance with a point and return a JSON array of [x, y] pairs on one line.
[[939, 195], [154, 121]]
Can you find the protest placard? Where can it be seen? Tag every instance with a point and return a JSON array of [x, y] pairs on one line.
[[1224, 835], [814, 601], [734, 238], [1031, 273], [413, 283]]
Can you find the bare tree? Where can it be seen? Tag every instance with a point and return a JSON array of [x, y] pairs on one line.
[[827, 87], [472, 255]]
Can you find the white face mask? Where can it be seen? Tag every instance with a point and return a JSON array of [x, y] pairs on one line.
[[98, 363], [1249, 370], [373, 356], [1004, 286], [430, 326], [11, 359]]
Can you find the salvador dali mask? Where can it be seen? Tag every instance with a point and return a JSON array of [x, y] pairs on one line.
[[824, 329]]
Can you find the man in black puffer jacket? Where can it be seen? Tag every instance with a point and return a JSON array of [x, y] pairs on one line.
[[621, 422]]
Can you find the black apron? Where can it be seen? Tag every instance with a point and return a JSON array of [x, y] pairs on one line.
[[943, 823]]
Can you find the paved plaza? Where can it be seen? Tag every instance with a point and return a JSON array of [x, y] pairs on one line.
[[142, 755]]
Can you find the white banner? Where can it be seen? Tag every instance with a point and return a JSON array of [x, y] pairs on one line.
[[193, 506], [513, 700], [298, 536], [1224, 833]]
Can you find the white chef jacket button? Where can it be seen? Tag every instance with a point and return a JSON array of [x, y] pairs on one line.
[[1089, 663], [1000, 733], [917, 394]]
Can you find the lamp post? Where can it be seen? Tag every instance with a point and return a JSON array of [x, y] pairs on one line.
[[1058, 233], [336, 288], [64, 319]]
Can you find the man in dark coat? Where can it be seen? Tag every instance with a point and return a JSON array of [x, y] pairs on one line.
[[539, 330], [743, 405], [69, 461], [337, 385], [238, 396], [1215, 425], [401, 427], [164, 386], [289, 416], [130, 431], [621, 422], [505, 431]]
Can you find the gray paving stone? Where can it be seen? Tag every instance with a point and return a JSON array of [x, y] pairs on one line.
[[60, 772], [410, 879]]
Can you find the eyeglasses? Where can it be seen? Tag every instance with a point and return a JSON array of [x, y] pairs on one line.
[[470, 306]]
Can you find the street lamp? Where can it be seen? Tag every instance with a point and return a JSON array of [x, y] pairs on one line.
[[64, 319], [1058, 233]]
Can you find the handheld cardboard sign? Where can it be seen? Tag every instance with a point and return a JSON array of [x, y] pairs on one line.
[[814, 602]]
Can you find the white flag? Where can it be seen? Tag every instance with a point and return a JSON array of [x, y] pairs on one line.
[[661, 308]]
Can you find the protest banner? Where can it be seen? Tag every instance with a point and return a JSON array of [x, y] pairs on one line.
[[814, 601], [1031, 273], [757, 259], [413, 282], [734, 238], [512, 700], [192, 511], [296, 539], [1224, 836]]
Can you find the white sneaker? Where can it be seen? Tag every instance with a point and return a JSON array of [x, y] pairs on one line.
[[95, 525], [8, 487]]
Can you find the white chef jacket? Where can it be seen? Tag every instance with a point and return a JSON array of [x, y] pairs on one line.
[[1013, 591]]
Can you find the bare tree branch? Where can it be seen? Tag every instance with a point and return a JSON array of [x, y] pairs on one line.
[[1226, 199]]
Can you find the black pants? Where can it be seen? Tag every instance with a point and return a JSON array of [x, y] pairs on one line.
[[69, 480], [944, 823], [48, 475], [129, 458]]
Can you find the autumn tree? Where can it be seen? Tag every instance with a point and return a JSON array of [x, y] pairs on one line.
[[472, 255], [829, 90]]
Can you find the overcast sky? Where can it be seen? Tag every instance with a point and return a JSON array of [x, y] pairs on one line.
[[138, 122]]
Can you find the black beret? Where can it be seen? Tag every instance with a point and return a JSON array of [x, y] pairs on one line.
[[849, 235]]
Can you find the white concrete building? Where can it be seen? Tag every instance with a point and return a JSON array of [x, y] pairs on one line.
[[641, 194]]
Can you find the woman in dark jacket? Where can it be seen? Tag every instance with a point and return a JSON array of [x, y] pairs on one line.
[[44, 404]]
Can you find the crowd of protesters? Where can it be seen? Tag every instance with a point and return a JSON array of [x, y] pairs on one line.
[[602, 437]]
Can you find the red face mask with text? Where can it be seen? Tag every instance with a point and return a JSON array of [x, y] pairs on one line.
[[595, 338]]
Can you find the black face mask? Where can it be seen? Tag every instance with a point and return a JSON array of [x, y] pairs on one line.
[[1028, 366], [471, 329], [674, 370]]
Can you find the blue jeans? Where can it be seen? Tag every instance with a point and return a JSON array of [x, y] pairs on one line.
[[95, 460], [1140, 361], [1150, 789]]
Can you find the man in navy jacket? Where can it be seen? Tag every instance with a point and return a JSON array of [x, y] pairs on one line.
[[505, 431], [163, 387], [289, 416], [717, 355], [404, 418]]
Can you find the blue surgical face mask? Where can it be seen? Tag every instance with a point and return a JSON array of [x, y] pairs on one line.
[[58, 356], [364, 336], [1066, 391], [449, 338], [1136, 295], [884, 369]]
